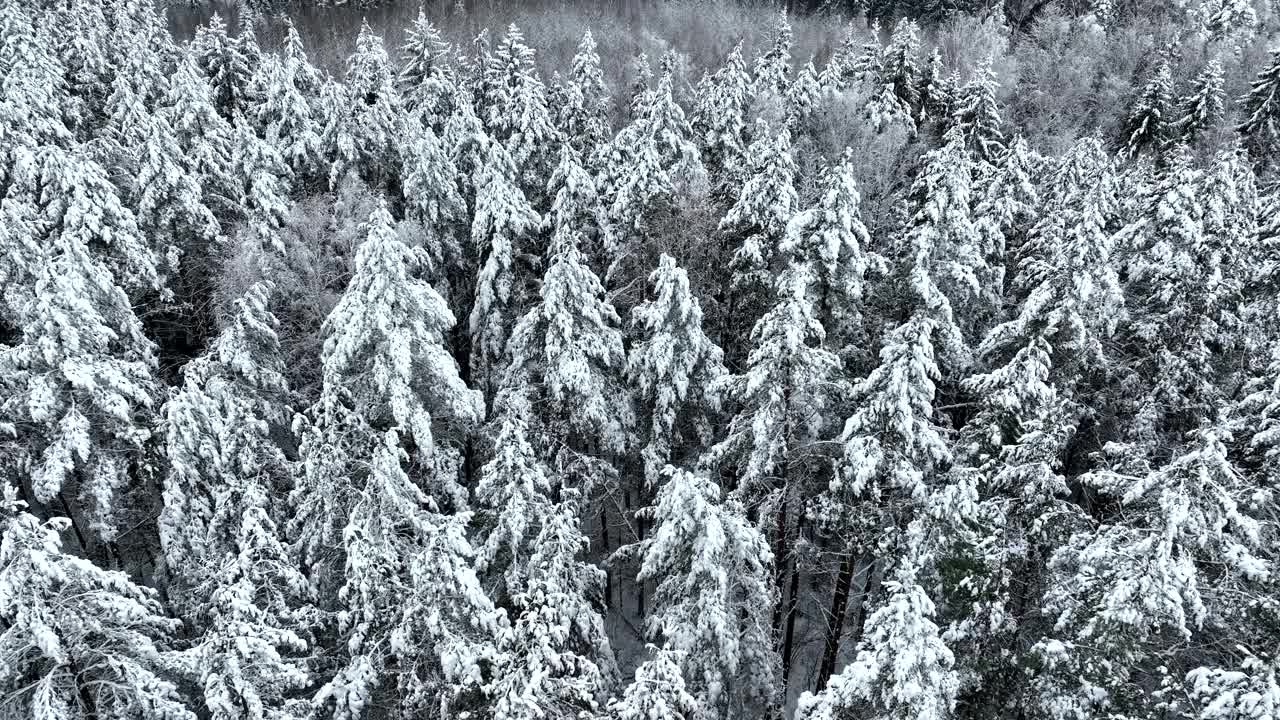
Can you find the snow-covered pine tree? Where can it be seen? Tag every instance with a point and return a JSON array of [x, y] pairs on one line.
[[1231, 22], [433, 196], [758, 220], [79, 641], [206, 137], [713, 600], [1131, 598], [802, 94], [568, 345], [555, 656], [411, 609], [903, 668], [224, 61], [264, 179], [231, 572], [583, 118], [1148, 126], [427, 79], [517, 114], [1180, 319], [1260, 108], [720, 125], [948, 266], [673, 364], [289, 117], [977, 114], [899, 65], [657, 692], [781, 393], [81, 372], [938, 92], [831, 238], [503, 220], [366, 119], [1203, 106]]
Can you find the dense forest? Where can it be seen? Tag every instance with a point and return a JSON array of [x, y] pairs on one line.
[[639, 360]]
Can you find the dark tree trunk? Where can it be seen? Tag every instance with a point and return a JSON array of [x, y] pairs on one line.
[[839, 604]]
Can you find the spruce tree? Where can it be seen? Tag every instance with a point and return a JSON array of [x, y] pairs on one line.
[[1260, 109], [658, 692], [720, 123], [517, 112], [764, 206], [673, 364], [583, 118], [224, 62], [977, 114], [1203, 107], [366, 124], [712, 601], [427, 79], [1149, 122], [80, 641], [411, 610]]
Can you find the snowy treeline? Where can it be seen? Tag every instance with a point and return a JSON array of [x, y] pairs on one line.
[[444, 389]]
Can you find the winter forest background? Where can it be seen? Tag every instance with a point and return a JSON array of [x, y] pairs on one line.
[[639, 360]]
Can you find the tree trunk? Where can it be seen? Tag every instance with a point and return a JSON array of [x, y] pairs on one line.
[[604, 545], [839, 604], [789, 635]]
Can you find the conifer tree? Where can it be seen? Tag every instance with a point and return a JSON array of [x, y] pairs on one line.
[[1260, 109], [569, 346], [82, 368], [432, 194], [1203, 107], [517, 111], [720, 125], [801, 95], [556, 658], [938, 93], [903, 668], [673, 365], [263, 176], [412, 608], [224, 62], [977, 114], [364, 130], [583, 118], [658, 692], [773, 68], [79, 641], [217, 530], [713, 600], [289, 116], [426, 80], [1148, 124], [782, 391], [503, 219], [204, 134], [899, 65], [831, 238], [1125, 593], [764, 206]]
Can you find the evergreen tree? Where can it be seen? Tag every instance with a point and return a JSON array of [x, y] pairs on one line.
[[782, 392], [801, 95], [719, 123], [288, 116], [764, 206], [773, 68], [831, 238], [712, 601], [1148, 124], [517, 111], [412, 610], [205, 135], [673, 365], [569, 347], [503, 219], [658, 692], [81, 371], [79, 641], [224, 61], [432, 195], [1203, 107], [365, 128], [557, 656], [938, 93], [264, 178], [977, 114], [899, 65], [903, 668], [1260, 109], [583, 117], [426, 80]]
